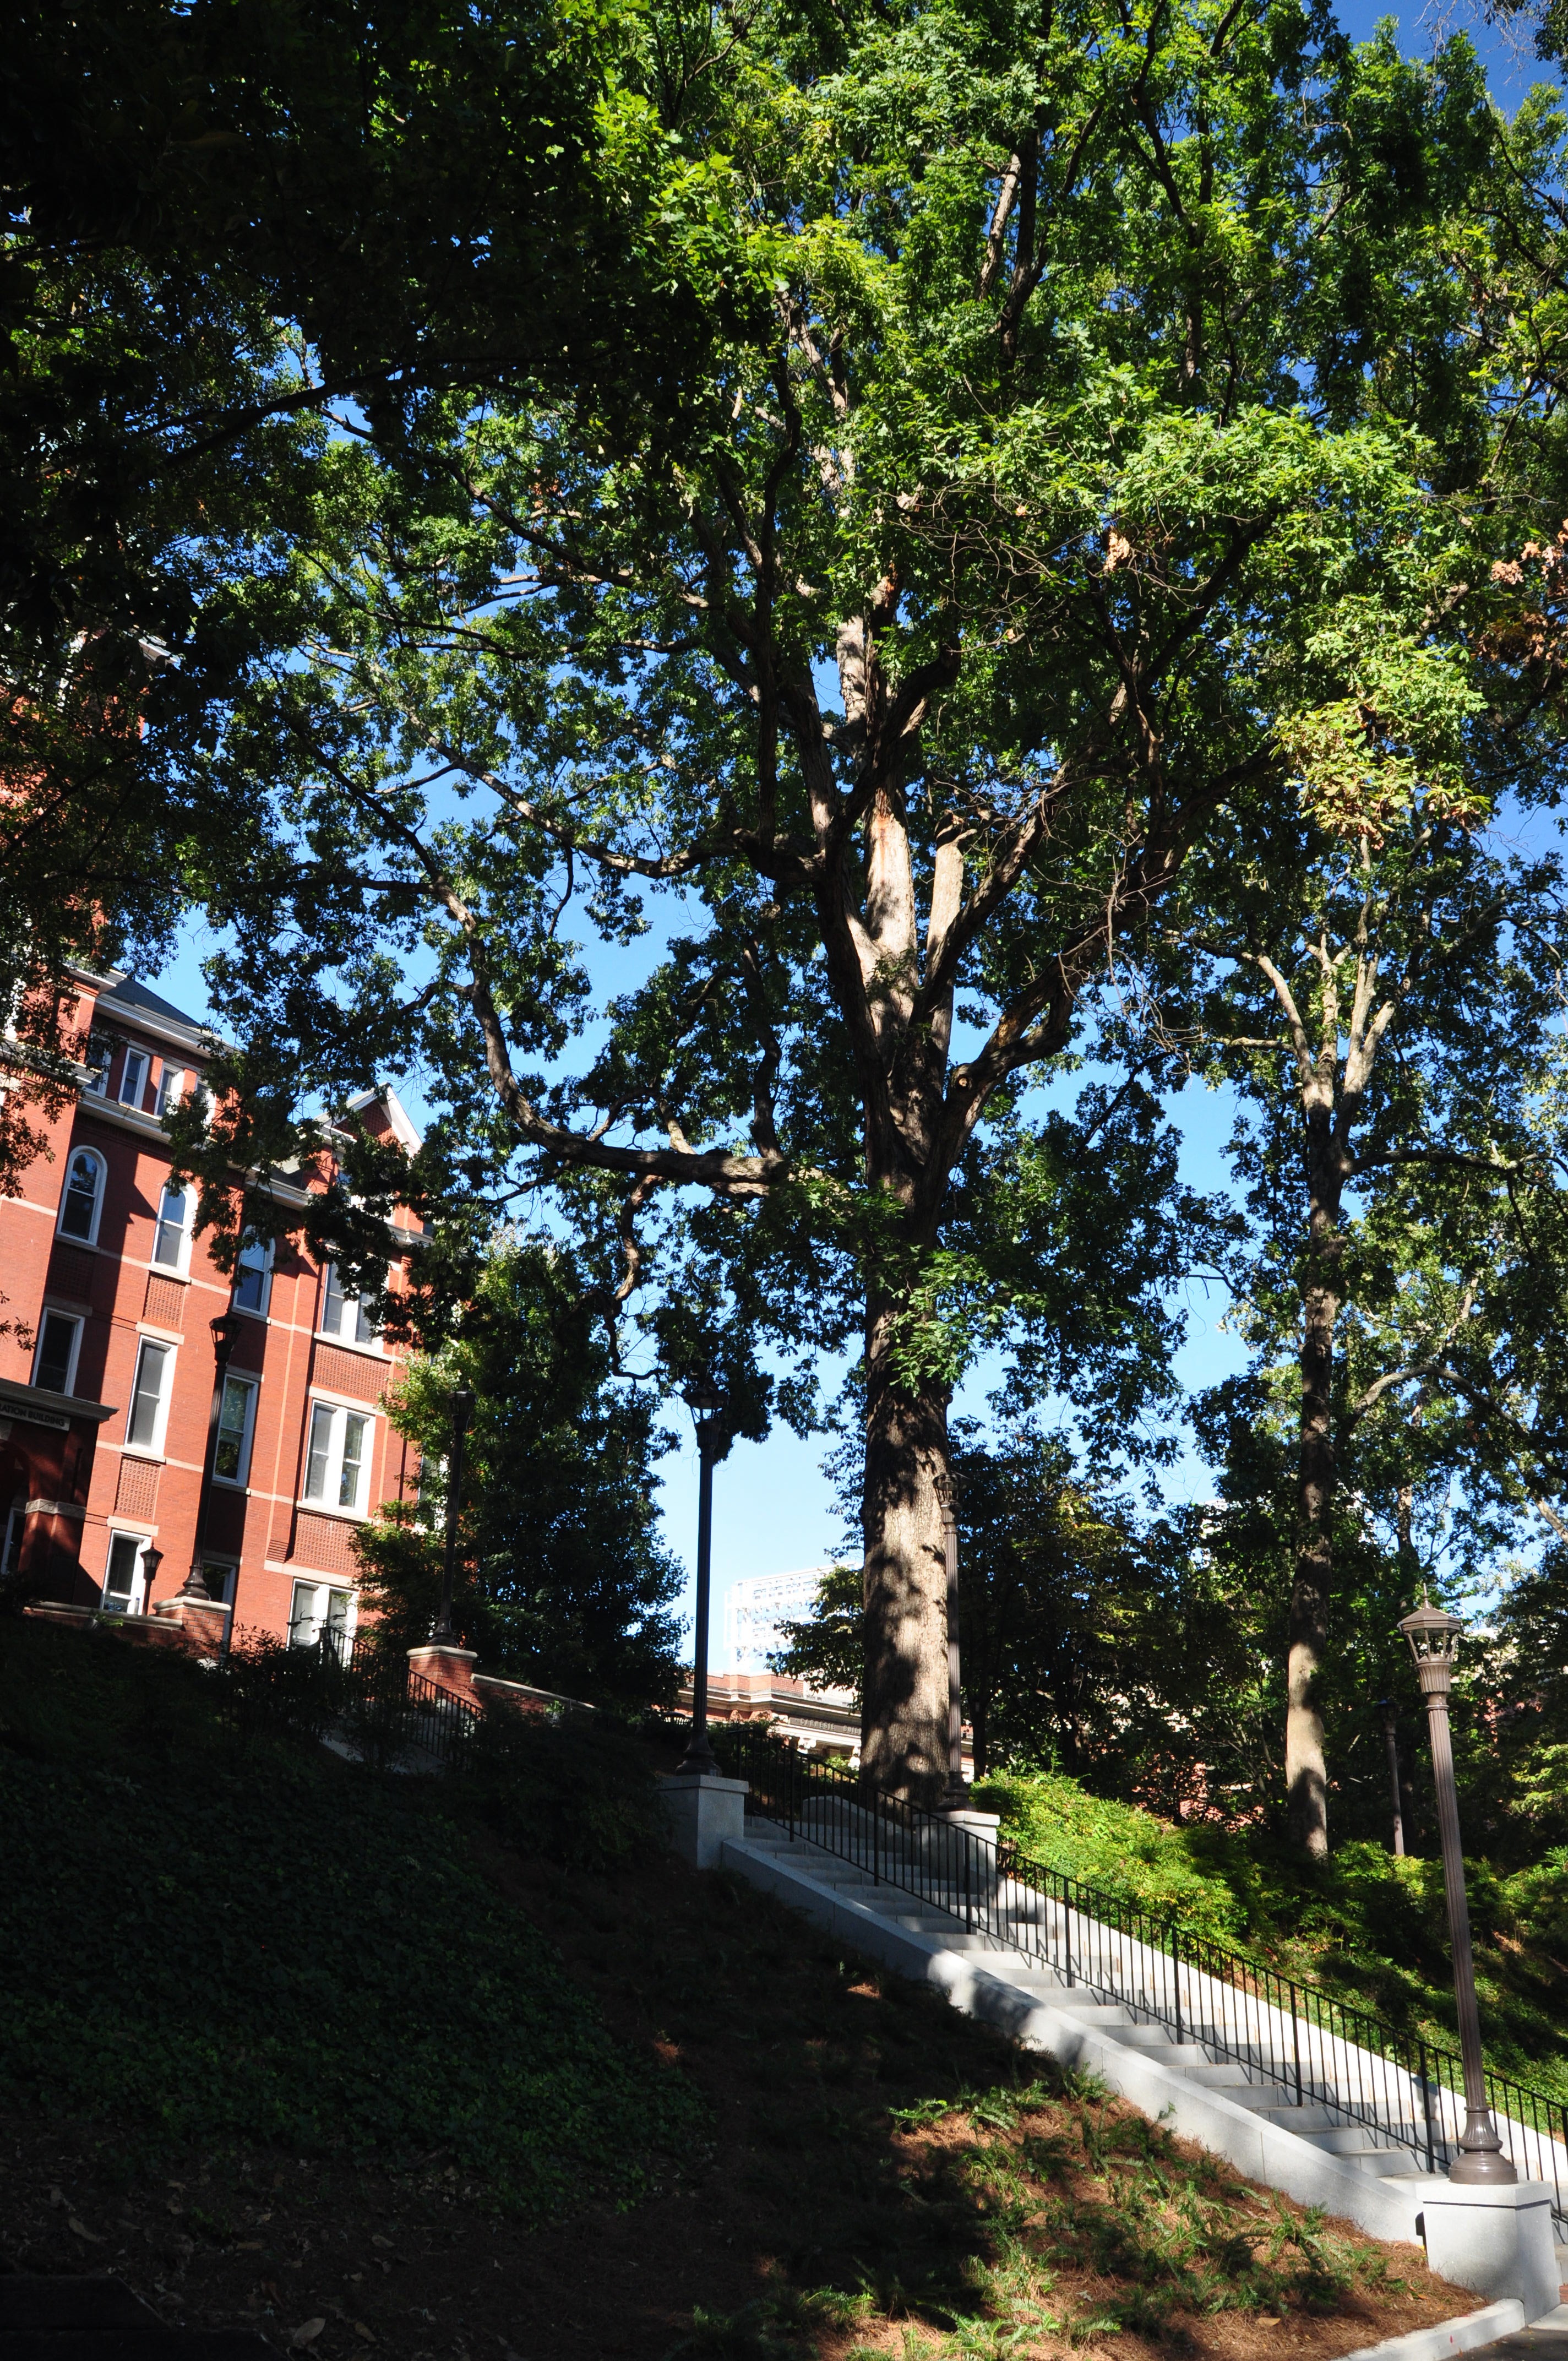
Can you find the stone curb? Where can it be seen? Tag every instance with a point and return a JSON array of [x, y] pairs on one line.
[[1462, 2336]]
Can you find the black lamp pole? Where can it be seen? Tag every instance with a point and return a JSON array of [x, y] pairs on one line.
[[1391, 1741], [1434, 1639], [703, 1398], [462, 1411], [226, 1330], [956, 1798]]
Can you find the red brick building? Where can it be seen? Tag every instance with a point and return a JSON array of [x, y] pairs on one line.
[[105, 1414]]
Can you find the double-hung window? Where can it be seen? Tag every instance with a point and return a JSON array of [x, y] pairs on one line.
[[59, 1341], [344, 1314], [237, 1422], [150, 1396], [320, 1615], [11, 1548], [253, 1276], [125, 1577], [168, 1237], [133, 1077], [99, 1059], [338, 1464], [170, 1089], [84, 1199]]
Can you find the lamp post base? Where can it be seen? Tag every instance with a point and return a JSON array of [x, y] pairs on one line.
[[1497, 2242], [704, 1814], [1480, 2163]]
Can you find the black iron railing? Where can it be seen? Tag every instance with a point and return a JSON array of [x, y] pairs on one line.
[[376, 1710], [1405, 2091]]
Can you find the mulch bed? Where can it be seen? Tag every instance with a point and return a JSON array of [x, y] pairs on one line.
[[837, 2162]]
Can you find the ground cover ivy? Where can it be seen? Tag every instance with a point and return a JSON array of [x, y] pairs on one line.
[[256, 1946]]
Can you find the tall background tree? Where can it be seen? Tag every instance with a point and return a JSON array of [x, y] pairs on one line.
[[1012, 459], [563, 1581], [1380, 989]]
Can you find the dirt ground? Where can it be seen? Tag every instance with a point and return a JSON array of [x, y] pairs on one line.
[[837, 2163]]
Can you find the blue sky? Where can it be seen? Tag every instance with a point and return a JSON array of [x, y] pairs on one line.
[[773, 1509]]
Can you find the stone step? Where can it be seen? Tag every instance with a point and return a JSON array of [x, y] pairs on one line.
[[1111, 2015], [1364, 2153], [1230, 2083], [1308, 2119]]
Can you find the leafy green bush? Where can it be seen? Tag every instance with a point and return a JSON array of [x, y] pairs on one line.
[[259, 1944], [1172, 1871]]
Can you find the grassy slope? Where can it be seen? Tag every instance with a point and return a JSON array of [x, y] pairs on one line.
[[285, 2044], [256, 1943], [1367, 1927]]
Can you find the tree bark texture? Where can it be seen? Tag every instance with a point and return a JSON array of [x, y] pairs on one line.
[[904, 1715], [1306, 1773]]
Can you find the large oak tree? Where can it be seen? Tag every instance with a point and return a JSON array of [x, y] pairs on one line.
[[998, 552]]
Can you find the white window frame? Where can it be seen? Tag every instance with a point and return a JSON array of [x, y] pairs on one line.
[[135, 1061], [265, 1248], [371, 1340], [78, 1323], [170, 1087], [220, 1574], [153, 1449], [181, 1263], [97, 1063], [135, 1597], [11, 1546], [60, 1231], [251, 1386], [328, 1499], [318, 1612]]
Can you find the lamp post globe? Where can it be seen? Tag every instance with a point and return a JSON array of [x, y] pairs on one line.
[[1433, 1637], [151, 1559], [706, 1403]]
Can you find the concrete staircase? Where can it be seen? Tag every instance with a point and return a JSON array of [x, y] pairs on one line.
[[1232, 2105]]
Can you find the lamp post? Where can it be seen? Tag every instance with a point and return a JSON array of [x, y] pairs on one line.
[[704, 1399], [226, 1330], [1391, 1744], [1434, 1639], [151, 1559], [956, 1798], [462, 1411]]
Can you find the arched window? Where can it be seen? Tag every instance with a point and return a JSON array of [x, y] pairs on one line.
[[84, 1199]]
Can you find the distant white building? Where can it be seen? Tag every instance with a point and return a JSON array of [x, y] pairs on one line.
[[757, 1607]]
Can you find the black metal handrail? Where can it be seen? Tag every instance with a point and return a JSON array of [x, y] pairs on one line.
[[381, 1711], [1319, 2051]]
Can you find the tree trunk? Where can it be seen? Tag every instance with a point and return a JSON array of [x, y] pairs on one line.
[[1306, 1775], [904, 1715]]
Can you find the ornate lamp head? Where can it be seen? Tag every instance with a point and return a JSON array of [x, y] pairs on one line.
[[226, 1328], [1433, 1635]]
